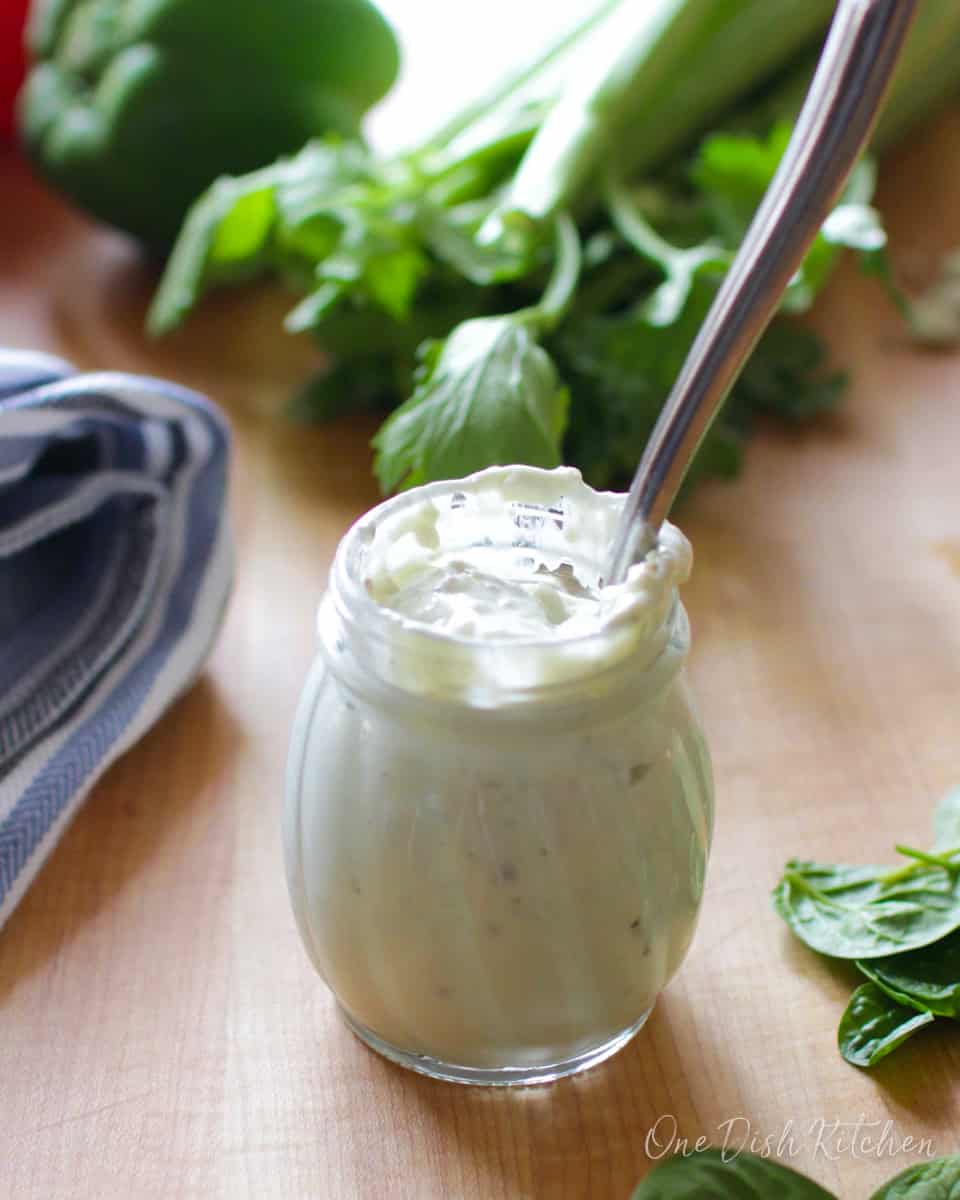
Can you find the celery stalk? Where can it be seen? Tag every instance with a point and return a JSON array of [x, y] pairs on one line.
[[666, 69], [517, 84], [925, 78], [927, 74]]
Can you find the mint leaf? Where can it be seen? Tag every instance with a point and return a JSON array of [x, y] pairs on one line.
[[488, 394]]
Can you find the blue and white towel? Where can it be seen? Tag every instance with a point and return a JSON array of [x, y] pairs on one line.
[[115, 567]]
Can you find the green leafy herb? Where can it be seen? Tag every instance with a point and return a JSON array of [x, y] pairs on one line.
[[232, 231], [489, 394], [620, 369], [874, 1024], [651, 137], [720, 1175], [660, 74], [936, 1180], [716, 1174], [927, 979], [868, 912], [362, 385], [914, 911], [680, 265], [733, 172]]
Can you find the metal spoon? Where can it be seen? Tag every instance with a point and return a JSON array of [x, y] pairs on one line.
[[840, 109]]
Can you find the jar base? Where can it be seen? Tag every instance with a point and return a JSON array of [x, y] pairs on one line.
[[527, 1076]]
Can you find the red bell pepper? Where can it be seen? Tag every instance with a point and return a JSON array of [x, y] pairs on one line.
[[13, 60]]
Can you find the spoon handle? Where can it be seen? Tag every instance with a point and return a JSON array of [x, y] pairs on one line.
[[856, 65]]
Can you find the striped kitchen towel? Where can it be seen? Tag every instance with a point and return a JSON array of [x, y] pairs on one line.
[[115, 566]]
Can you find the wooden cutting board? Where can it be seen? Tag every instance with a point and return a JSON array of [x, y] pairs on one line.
[[161, 1032]]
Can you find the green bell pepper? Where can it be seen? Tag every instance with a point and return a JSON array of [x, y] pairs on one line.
[[134, 106]]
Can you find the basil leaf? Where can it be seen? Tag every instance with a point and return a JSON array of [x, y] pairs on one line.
[[868, 912], [874, 1025], [936, 1180], [946, 822], [488, 394], [715, 1174], [927, 979]]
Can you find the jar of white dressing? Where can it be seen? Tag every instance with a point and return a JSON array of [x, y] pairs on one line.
[[499, 799]]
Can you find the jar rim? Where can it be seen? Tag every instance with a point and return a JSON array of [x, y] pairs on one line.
[[483, 673], [348, 586]]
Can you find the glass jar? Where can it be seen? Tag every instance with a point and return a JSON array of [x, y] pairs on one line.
[[495, 850]]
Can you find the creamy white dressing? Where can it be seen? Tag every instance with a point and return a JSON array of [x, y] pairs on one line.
[[498, 885], [465, 598], [513, 555]]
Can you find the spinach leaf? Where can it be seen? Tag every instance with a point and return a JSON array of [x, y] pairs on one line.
[[873, 1025], [936, 1180], [725, 1176], [868, 912], [715, 1174], [927, 979]]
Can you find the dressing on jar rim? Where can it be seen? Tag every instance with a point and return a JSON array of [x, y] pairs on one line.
[[499, 799]]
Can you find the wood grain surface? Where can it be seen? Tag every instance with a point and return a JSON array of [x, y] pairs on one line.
[[161, 1031]]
